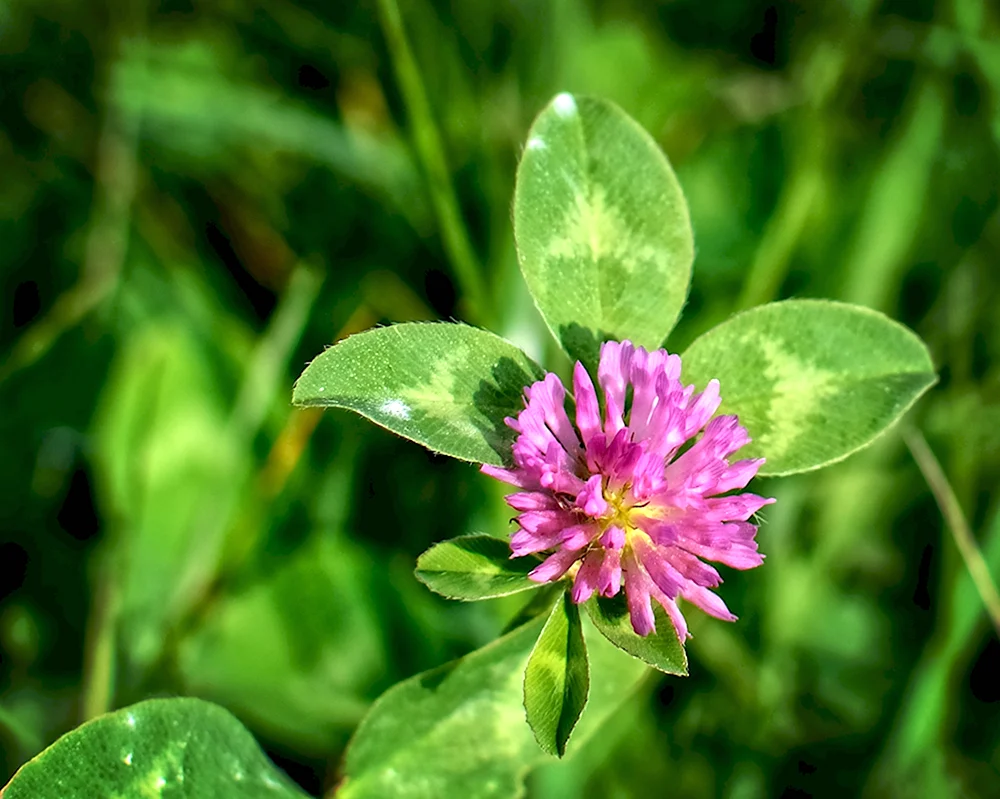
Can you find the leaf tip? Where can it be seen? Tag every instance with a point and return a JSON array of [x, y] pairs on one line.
[[564, 104]]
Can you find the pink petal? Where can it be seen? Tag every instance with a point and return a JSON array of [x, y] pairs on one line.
[[640, 609], [691, 569], [655, 565], [709, 602], [532, 500], [613, 537], [613, 375], [591, 498], [579, 536], [555, 565], [735, 508], [527, 543], [549, 396], [514, 477], [588, 413], [676, 618], [738, 475], [586, 580], [701, 410], [637, 586], [609, 581], [541, 522]]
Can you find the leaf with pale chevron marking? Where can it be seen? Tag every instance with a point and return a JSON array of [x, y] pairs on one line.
[[812, 380], [602, 227], [161, 747], [446, 386], [557, 678]]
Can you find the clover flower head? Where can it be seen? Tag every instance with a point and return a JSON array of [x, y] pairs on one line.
[[615, 499]]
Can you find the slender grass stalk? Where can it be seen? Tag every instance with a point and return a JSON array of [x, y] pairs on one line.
[[116, 178], [106, 244], [890, 216], [263, 379], [955, 520], [265, 372], [916, 751], [26, 738], [101, 643], [430, 150], [783, 234], [820, 76]]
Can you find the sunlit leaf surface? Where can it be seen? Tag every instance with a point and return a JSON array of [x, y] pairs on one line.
[[474, 567], [812, 380], [460, 729], [557, 678], [660, 649], [448, 387], [602, 227], [162, 747]]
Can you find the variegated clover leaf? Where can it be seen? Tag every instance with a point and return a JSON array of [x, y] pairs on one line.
[[628, 481]]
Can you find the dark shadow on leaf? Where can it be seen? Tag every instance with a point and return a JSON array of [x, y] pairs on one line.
[[431, 680], [499, 397], [540, 604], [583, 344]]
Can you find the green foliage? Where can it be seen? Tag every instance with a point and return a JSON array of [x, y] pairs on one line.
[[447, 387], [557, 678], [171, 471], [474, 567], [661, 649], [171, 525], [602, 228], [161, 747], [459, 729], [456, 730], [812, 380], [304, 676]]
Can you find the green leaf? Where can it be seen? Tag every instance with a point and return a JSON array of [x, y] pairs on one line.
[[163, 747], [557, 678], [474, 567], [602, 227], [812, 380], [298, 653], [661, 649], [170, 471], [446, 386], [459, 730]]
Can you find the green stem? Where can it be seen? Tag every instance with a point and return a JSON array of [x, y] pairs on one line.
[[99, 651], [916, 749], [116, 179], [783, 232], [430, 150], [106, 244], [266, 372], [955, 520], [890, 214], [228, 535], [820, 76], [26, 738]]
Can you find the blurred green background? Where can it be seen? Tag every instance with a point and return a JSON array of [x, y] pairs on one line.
[[196, 198]]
